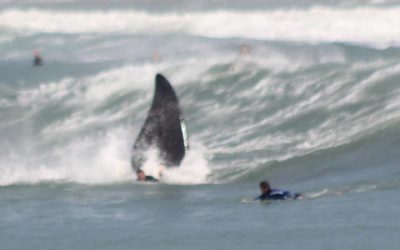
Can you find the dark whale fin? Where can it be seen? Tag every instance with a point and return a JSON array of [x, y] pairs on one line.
[[163, 128]]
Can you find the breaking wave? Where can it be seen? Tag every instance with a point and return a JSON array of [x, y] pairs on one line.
[[245, 118], [374, 26]]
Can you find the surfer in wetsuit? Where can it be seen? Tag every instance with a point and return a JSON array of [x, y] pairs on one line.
[[268, 193], [37, 58], [141, 176]]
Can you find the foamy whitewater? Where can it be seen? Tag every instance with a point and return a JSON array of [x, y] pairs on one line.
[[303, 93]]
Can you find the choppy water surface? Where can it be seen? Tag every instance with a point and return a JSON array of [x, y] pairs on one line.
[[311, 103]]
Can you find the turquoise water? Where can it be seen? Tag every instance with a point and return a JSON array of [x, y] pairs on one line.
[[312, 105]]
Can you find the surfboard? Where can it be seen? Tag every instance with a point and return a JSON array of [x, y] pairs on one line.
[[164, 128]]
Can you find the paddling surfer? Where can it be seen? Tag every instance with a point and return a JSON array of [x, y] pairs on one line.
[[268, 193]]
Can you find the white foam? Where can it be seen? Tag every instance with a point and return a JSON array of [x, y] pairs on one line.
[[193, 169], [102, 161], [97, 87], [85, 95], [96, 160], [377, 26]]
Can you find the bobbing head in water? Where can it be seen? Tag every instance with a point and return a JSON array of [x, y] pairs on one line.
[[141, 176], [37, 58], [265, 187], [276, 194]]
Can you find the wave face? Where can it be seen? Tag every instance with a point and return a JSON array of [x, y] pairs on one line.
[[296, 91]]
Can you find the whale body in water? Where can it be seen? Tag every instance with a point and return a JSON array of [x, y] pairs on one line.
[[163, 129]]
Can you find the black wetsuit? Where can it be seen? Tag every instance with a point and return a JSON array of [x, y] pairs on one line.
[[150, 178], [37, 61], [277, 194]]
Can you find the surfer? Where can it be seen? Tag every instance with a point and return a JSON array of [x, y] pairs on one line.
[[244, 49], [141, 176], [268, 193], [37, 58]]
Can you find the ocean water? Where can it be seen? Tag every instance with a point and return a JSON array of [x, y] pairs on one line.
[[303, 93]]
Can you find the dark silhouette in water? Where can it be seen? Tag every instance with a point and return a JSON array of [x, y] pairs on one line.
[[37, 58], [141, 176], [268, 193], [163, 129]]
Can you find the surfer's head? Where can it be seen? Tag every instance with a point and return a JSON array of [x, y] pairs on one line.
[[265, 187], [141, 176]]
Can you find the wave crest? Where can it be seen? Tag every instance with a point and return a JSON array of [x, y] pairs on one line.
[[364, 25]]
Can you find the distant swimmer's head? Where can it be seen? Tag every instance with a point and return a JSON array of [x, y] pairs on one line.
[[265, 187], [141, 176], [156, 56], [37, 58], [36, 53], [244, 49]]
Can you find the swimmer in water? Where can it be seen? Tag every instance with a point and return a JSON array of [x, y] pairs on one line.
[[244, 49], [268, 193], [37, 58], [141, 176]]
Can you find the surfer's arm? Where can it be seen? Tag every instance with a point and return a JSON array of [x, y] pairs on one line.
[[261, 197]]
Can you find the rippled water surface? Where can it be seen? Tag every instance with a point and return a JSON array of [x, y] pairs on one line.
[[302, 93]]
